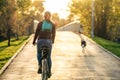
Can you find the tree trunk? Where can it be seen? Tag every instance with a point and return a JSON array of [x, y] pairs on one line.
[[8, 35]]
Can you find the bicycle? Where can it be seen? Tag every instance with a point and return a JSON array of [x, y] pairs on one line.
[[45, 69]]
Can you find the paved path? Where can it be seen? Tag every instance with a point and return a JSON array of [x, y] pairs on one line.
[[69, 63]]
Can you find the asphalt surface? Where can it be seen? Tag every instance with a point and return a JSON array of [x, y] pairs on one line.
[[68, 61]]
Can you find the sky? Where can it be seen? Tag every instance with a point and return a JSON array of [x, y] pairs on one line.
[[57, 6]]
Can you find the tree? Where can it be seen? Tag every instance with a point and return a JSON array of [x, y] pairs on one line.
[[3, 4], [17, 16], [82, 10], [113, 29], [59, 21], [27, 12], [102, 10], [23, 14], [106, 17], [8, 12]]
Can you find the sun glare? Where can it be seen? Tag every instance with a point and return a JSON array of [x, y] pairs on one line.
[[57, 6]]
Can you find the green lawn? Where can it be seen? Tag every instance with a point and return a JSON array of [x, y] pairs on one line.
[[109, 45], [6, 52]]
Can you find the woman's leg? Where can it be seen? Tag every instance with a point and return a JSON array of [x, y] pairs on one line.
[[39, 53]]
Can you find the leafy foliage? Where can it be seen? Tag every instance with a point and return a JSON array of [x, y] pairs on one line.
[[17, 16], [23, 4], [3, 3], [106, 17]]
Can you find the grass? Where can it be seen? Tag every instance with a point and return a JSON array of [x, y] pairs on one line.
[[109, 45], [6, 52]]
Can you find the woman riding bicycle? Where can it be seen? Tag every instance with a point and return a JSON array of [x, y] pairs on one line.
[[45, 35]]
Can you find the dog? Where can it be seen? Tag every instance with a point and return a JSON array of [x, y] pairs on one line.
[[83, 45]]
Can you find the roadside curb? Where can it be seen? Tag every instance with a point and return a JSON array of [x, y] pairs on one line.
[[15, 55], [102, 48]]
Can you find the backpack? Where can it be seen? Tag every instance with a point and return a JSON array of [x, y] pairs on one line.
[[46, 26]]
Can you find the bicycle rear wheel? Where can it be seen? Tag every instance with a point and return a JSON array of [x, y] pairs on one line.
[[44, 70]]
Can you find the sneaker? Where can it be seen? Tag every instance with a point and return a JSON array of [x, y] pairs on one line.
[[39, 70]]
